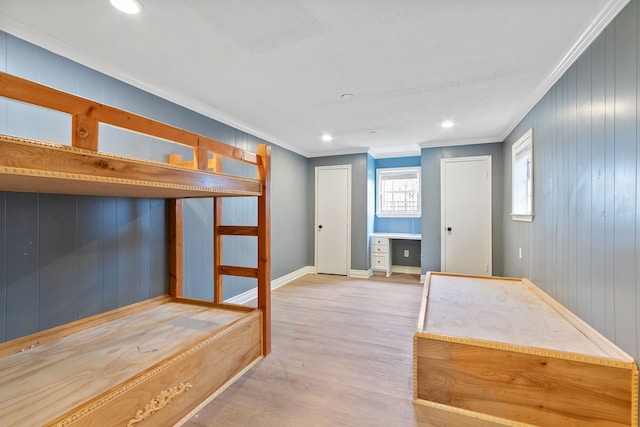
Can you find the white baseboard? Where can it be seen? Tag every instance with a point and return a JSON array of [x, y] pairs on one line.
[[405, 269], [252, 294], [360, 274]]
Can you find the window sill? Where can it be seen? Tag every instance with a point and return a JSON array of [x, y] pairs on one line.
[[522, 217], [398, 215]]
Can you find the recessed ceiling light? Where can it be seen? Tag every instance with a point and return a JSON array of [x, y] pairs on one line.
[[347, 96], [447, 124], [131, 7], [326, 137]]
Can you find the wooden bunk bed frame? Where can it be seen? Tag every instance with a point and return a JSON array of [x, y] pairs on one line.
[[500, 351], [158, 361]]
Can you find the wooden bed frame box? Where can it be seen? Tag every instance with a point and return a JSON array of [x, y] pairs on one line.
[[160, 358], [157, 361], [501, 350]]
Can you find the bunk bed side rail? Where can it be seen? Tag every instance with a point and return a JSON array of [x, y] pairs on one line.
[[87, 115]]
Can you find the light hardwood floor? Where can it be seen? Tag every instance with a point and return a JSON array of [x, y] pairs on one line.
[[342, 356]]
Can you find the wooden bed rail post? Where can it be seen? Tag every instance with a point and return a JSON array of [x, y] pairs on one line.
[[84, 132], [264, 245], [218, 285], [175, 255]]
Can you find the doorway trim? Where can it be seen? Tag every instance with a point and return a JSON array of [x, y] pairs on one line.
[[315, 228]]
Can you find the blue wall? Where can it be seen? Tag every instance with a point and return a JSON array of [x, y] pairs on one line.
[[583, 246], [431, 259], [396, 225], [360, 202], [67, 257]]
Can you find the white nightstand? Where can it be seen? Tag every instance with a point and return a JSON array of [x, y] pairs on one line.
[[381, 255]]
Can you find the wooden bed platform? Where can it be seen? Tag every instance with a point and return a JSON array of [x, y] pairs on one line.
[[158, 361], [503, 351]]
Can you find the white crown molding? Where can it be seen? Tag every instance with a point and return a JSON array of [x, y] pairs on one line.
[[437, 144], [344, 152], [33, 36], [400, 151], [604, 18]]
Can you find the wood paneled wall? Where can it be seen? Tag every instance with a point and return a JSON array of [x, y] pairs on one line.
[[583, 245], [63, 258]]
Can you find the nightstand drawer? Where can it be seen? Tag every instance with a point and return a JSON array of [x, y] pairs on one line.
[[379, 261], [382, 249], [381, 241]]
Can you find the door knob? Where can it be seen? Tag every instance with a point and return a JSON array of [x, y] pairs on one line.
[[320, 226], [448, 228]]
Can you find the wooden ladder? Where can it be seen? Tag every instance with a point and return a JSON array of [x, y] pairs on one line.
[[262, 232]]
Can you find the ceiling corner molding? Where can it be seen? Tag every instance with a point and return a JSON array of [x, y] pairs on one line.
[[599, 23], [439, 144], [340, 152], [403, 151]]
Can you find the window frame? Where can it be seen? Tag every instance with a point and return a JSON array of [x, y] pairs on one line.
[[380, 174], [522, 178]]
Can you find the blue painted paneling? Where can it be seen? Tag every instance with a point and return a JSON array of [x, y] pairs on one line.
[[198, 231], [110, 253], [91, 279], [22, 264], [583, 244], [128, 251], [58, 260], [158, 248], [3, 267]]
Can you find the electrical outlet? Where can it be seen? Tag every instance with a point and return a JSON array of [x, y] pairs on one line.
[[406, 253], [520, 253]]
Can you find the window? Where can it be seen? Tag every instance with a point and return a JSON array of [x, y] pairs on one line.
[[398, 192], [522, 178]]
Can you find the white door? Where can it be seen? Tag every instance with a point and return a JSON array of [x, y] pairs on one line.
[[466, 215], [333, 214]]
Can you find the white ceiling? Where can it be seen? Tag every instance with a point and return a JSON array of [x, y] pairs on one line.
[[278, 68]]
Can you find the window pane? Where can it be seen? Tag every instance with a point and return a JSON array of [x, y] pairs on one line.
[[399, 191]]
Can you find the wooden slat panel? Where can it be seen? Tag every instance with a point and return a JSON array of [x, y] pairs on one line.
[[264, 245], [84, 132], [522, 387], [237, 230], [35, 167], [201, 158], [176, 262], [232, 270], [218, 280]]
